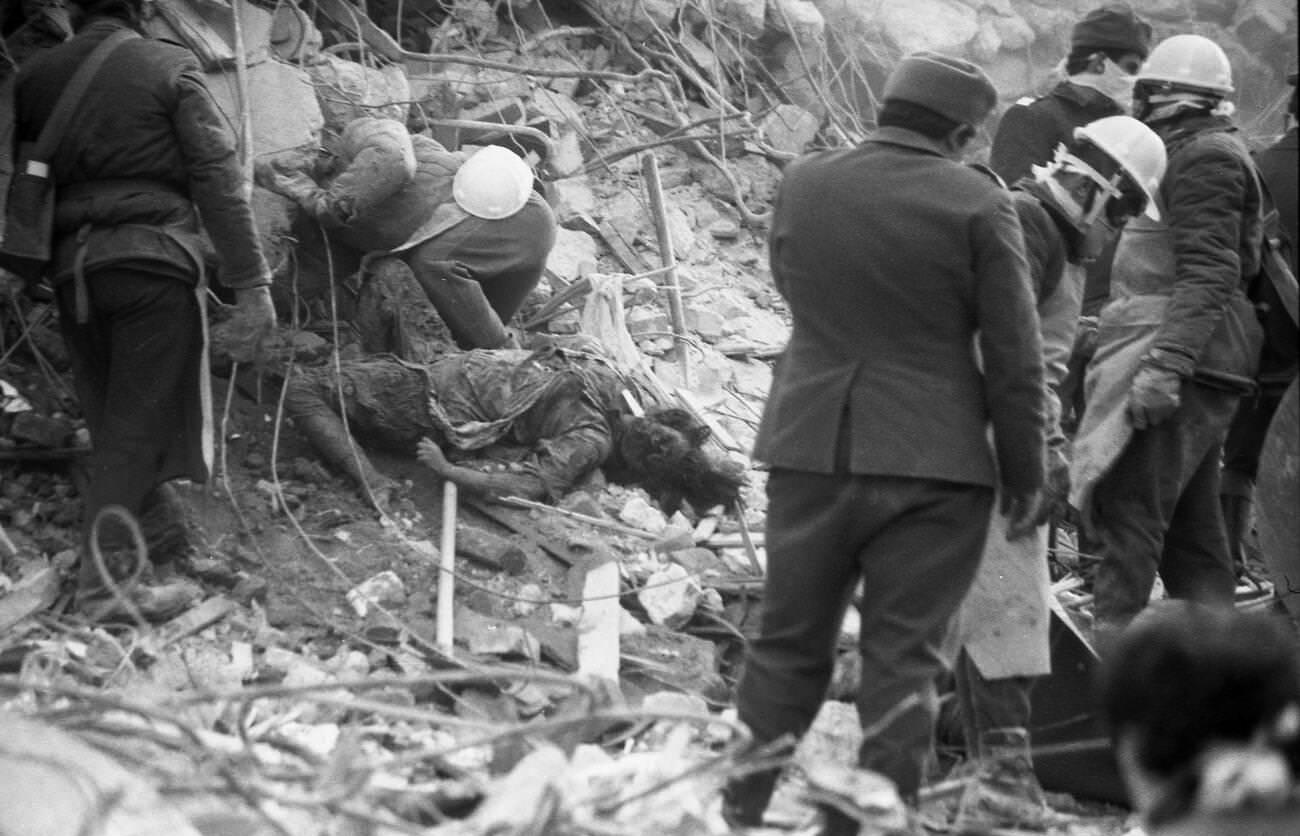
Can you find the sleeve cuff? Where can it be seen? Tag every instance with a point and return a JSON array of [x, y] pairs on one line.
[[1170, 361]]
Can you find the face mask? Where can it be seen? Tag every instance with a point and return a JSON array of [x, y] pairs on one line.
[[1112, 82]]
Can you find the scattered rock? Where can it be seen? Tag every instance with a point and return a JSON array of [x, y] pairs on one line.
[[385, 589], [670, 596], [639, 513]]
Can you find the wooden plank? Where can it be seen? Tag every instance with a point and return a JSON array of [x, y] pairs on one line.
[[188, 623], [503, 517], [628, 257]]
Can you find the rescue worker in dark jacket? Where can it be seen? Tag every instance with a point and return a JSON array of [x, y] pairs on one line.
[[1279, 167], [147, 148], [1179, 344], [876, 428], [1106, 48], [1069, 210]]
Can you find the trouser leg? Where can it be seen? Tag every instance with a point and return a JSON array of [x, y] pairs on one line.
[[916, 568], [135, 364], [1197, 563], [810, 578], [989, 704], [1135, 504]]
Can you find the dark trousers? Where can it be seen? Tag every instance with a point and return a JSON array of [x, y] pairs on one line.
[[1158, 512], [988, 704], [478, 274], [915, 545], [136, 367]]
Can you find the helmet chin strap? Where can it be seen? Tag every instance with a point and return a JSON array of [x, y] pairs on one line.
[[1082, 217]]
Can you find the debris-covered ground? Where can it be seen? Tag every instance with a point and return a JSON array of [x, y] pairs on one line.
[[587, 686]]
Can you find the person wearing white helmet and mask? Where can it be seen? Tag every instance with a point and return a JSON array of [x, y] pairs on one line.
[[1179, 345], [470, 226], [1070, 209]]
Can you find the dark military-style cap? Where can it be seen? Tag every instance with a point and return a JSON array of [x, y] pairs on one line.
[[1113, 26], [949, 86]]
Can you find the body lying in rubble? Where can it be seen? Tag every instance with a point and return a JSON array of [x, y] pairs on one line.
[[471, 228], [555, 414]]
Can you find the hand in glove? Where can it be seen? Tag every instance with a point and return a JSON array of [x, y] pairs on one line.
[[293, 184], [1024, 513], [242, 334], [1154, 396]]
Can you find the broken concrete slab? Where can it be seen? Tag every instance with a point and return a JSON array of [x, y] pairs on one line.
[[487, 636], [347, 90], [208, 29], [574, 253], [790, 129], [285, 114], [72, 780]]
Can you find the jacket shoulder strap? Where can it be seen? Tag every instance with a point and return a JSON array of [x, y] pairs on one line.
[[48, 142]]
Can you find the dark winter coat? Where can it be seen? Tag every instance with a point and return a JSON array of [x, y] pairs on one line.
[[147, 145], [1212, 204], [892, 258], [1031, 129], [1028, 135], [1278, 164]]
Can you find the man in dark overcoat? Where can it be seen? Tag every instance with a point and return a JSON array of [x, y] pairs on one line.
[[914, 331]]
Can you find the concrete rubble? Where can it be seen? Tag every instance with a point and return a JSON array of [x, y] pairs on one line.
[[593, 655]]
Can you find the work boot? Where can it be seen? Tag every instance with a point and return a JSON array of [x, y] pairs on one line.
[[745, 799], [1004, 793], [154, 604]]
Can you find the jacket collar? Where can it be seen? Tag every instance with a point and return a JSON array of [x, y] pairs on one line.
[[893, 135], [1178, 132], [1084, 96]]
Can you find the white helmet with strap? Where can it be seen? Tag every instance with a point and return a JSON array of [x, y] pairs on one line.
[[1188, 62], [1138, 151], [493, 183]]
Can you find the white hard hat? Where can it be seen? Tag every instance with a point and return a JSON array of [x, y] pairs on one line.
[[493, 183], [1137, 149], [1189, 61]]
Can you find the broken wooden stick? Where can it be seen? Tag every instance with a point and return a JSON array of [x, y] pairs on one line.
[[445, 635], [608, 525], [7, 548], [750, 551], [655, 190]]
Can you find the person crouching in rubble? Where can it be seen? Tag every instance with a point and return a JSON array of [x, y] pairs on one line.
[[471, 227], [553, 412], [1070, 210], [1203, 708]]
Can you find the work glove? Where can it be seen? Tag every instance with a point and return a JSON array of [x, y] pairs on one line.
[[291, 183], [1154, 396], [241, 336], [1024, 512]]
